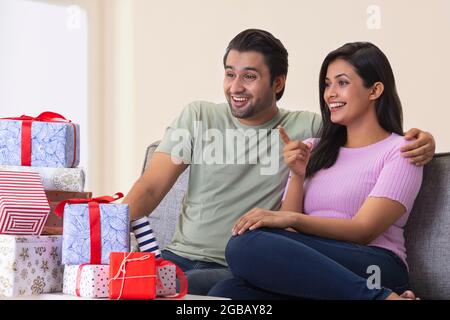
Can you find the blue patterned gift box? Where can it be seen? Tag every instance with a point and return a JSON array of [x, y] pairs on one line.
[[114, 226], [53, 144]]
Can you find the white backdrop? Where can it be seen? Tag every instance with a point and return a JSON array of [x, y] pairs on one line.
[[43, 62]]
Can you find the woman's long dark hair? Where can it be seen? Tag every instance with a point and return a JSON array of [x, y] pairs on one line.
[[372, 66]]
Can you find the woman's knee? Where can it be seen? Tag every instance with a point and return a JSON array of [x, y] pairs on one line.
[[240, 249], [234, 249]]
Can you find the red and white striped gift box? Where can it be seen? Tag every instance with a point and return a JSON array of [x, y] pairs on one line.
[[23, 204]]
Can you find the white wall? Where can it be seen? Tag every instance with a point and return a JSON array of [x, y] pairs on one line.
[[43, 62], [178, 48]]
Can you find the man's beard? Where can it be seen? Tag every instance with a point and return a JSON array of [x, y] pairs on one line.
[[250, 110], [242, 113]]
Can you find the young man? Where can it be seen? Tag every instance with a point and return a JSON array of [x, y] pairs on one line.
[[235, 157]]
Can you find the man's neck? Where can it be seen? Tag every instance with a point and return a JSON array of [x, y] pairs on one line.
[[261, 118]]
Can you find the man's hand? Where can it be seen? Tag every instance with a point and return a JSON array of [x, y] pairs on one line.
[[421, 151]]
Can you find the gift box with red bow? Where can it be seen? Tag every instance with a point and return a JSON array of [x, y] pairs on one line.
[[93, 228], [86, 280], [54, 224], [91, 280], [48, 140]]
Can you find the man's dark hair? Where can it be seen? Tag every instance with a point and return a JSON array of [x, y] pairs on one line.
[[275, 54]]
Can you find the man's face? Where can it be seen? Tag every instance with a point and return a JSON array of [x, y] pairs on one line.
[[247, 85]]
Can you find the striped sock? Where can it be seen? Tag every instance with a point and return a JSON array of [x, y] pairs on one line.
[[144, 236]]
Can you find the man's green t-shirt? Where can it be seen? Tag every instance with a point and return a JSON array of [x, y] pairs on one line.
[[233, 168]]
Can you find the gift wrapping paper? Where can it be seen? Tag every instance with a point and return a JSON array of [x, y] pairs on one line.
[[147, 242], [145, 237], [30, 265], [114, 229], [57, 196], [132, 275], [54, 224], [53, 144], [23, 205], [166, 285], [56, 179], [93, 281]]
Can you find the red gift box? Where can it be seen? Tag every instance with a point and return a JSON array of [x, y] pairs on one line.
[[132, 276]]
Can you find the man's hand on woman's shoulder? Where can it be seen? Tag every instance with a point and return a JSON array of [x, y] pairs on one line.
[[421, 151]]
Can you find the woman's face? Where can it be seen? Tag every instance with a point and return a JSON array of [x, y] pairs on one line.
[[345, 95]]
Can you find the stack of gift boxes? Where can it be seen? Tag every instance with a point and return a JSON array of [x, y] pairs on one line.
[[38, 156], [54, 236], [121, 274]]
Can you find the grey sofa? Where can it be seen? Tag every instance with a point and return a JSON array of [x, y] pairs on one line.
[[427, 232]]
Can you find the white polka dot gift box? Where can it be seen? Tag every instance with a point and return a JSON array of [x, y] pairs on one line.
[[91, 281], [88, 280], [166, 283]]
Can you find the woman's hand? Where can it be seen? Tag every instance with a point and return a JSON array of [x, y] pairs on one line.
[[258, 218], [296, 154]]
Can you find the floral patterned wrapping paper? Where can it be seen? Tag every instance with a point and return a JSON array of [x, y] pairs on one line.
[[56, 179], [53, 144], [115, 232], [30, 265]]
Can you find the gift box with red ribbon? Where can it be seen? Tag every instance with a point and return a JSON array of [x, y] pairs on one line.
[[86, 280], [167, 271], [48, 140], [132, 276], [54, 224], [23, 205], [91, 280], [93, 228]]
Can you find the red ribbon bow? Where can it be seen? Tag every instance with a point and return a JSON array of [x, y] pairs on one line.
[[94, 221], [179, 274], [46, 116]]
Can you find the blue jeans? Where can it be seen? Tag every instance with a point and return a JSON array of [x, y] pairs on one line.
[[201, 276], [278, 264]]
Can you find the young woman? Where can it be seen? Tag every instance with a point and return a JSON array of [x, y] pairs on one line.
[[339, 232]]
